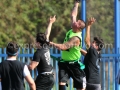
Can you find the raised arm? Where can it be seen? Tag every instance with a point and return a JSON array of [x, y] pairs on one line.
[[74, 41], [88, 26], [48, 30], [74, 11]]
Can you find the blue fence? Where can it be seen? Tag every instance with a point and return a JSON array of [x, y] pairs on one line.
[[108, 62]]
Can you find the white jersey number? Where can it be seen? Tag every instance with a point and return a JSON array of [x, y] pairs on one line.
[[47, 57]]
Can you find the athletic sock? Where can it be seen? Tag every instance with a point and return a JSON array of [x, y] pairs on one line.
[[62, 87]]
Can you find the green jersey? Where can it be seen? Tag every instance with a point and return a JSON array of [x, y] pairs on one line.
[[72, 53]]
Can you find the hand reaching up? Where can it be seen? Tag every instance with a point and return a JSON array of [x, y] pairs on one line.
[[91, 21], [48, 30], [52, 19]]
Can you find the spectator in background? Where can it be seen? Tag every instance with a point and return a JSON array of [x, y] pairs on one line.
[[13, 71]]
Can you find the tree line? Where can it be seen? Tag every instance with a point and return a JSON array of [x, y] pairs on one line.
[[20, 20]]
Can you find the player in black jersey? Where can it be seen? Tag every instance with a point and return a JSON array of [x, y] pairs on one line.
[[41, 60], [92, 59]]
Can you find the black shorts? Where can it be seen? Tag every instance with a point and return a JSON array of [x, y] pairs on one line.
[[93, 86], [44, 82], [73, 70]]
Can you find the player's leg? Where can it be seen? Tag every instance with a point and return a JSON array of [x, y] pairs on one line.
[[63, 76], [93, 86], [44, 82], [78, 76]]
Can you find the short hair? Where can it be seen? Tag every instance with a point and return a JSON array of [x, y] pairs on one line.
[[12, 48], [41, 38], [99, 42]]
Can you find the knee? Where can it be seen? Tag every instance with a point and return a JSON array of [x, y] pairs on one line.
[[62, 83]]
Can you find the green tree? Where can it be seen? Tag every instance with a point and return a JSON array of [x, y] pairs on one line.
[[20, 20], [102, 10]]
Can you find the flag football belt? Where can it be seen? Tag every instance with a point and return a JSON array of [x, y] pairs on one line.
[[45, 73], [82, 66]]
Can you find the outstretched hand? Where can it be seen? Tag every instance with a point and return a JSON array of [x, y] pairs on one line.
[[52, 19], [91, 21]]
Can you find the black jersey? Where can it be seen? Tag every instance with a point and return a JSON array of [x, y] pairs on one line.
[[12, 75], [42, 56], [92, 67]]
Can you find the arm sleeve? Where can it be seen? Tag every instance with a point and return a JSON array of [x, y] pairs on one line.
[[36, 56], [92, 51], [26, 71]]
